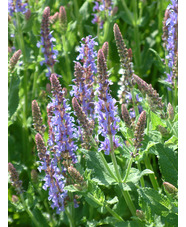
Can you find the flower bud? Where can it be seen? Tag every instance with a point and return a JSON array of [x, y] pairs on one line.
[[105, 49], [170, 111], [14, 59], [15, 199], [171, 189], [53, 18], [37, 119], [126, 116], [34, 175], [14, 177], [140, 214], [63, 19], [139, 130]]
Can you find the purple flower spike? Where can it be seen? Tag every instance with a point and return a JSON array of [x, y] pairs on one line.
[[103, 9], [47, 42], [85, 75], [170, 37], [105, 109], [16, 6]]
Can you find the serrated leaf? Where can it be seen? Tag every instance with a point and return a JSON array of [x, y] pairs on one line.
[[13, 96], [100, 174], [158, 203], [168, 162]]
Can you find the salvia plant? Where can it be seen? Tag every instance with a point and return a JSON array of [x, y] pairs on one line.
[[92, 113]]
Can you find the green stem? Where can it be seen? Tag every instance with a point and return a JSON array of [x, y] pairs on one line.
[[113, 213], [134, 104], [127, 11], [70, 219], [141, 179], [114, 160], [136, 37], [152, 176], [67, 61], [107, 167], [148, 121], [79, 22], [128, 200], [29, 212], [125, 194], [20, 40], [128, 170]]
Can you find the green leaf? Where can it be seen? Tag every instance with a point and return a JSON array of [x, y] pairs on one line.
[[158, 203], [40, 218], [156, 120], [171, 220], [135, 175], [168, 162], [172, 141], [13, 96], [158, 62], [100, 174], [112, 201]]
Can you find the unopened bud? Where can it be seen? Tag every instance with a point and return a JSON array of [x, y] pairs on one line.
[[170, 111], [163, 130], [53, 18], [171, 189], [139, 130], [14, 59], [105, 49], [15, 199], [63, 19], [126, 116], [140, 214], [28, 14], [34, 175]]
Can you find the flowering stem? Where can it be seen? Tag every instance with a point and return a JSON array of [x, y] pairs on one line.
[[114, 214], [152, 176], [128, 170], [25, 83], [141, 179], [127, 11], [67, 62], [78, 17], [136, 36], [134, 105], [71, 221], [125, 194], [29, 212]]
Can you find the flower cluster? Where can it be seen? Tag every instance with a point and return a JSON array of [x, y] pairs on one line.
[[84, 75], [47, 43], [103, 9], [170, 36], [61, 147], [15, 6], [105, 109]]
